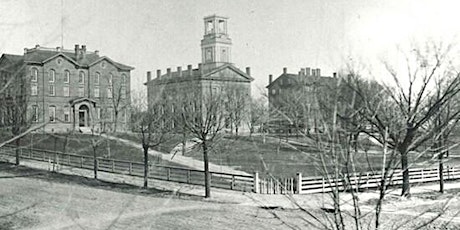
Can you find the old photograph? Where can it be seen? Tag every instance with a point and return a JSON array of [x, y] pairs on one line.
[[229, 114]]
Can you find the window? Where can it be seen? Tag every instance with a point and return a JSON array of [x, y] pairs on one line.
[[273, 91], [110, 114], [123, 80], [34, 74], [52, 91], [109, 92], [98, 113], [96, 78], [66, 76], [66, 114], [96, 92], [110, 79], [34, 90], [52, 76], [81, 91], [34, 113], [66, 91], [52, 113], [81, 78]]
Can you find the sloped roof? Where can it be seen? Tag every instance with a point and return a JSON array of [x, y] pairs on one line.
[[302, 79], [42, 56], [11, 62], [196, 74]]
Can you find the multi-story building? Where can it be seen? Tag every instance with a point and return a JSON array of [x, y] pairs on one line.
[[215, 74], [69, 89], [293, 98]]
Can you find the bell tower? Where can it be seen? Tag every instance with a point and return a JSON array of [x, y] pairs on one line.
[[216, 44]]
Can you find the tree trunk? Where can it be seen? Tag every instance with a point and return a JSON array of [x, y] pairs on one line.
[[207, 174], [405, 171], [184, 141], [441, 169], [18, 143], [146, 166]]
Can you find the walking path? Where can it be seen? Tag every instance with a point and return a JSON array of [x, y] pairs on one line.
[[180, 159]]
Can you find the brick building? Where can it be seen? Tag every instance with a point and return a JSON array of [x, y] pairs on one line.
[[216, 73], [72, 89], [293, 98]]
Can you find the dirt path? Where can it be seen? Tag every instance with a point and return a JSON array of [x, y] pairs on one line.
[[179, 159]]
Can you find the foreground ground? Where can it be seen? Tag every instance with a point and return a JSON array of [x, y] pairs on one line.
[[38, 199]]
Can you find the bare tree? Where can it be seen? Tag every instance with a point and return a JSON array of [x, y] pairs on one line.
[[258, 115], [204, 117], [236, 100], [150, 126], [407, 104]]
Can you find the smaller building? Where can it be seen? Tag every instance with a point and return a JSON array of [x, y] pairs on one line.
[[293, 99]]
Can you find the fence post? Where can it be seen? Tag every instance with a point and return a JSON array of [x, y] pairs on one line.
[[422, 175], [113, 165], [299, 183], [57, 163], [69, 158], [81, 162], [168, 174], [232, 183], [130, 168], [189, 179], [322, 185], [256, 182]]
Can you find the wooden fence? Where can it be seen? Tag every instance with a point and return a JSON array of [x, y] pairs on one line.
[[160, 172], [247, 183]]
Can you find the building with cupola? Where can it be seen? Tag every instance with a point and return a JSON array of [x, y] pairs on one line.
[[69, 90], [215, 74]]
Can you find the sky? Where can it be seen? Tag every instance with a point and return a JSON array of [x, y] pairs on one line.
[[267, 35]]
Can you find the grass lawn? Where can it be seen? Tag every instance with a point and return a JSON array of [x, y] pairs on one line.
[[81, 144]]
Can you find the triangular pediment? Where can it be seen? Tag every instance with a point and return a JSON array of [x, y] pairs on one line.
[[228, 73]]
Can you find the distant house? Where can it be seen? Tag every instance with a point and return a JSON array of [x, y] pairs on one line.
[[293, 99], [216, 73], [72, 89]]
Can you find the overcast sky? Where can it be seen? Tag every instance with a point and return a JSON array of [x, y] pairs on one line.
[[267, 34]]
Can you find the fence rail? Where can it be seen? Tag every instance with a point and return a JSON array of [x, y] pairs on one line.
[[160, 172], [299, 184]]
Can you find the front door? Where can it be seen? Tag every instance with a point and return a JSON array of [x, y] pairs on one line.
[[82, 118]]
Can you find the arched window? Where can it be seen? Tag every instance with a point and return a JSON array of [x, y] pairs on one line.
[[110, 79], [96, 78], [34, 74], [81, 78], [66, 76], [52, 76]]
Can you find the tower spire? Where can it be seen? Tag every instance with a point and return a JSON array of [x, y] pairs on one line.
[[216, 44]]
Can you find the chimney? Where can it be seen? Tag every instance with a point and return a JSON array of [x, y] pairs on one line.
[[318, 72], [96, 52], [168, 72], [307, 71], [200, 68], [37, 46], [302, 72], [158, 73], [313, 72], [25, 50], [179, 71], [83, 51], [270, 79], [284, 70], [248, 71], [58, 49], [149, 76], [189, 69], [334, 75], [77, 51]]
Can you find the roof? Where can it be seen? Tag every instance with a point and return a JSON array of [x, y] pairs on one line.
[[196, 73], [301, 79], [43, 55], [11, 62]]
